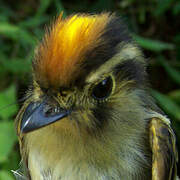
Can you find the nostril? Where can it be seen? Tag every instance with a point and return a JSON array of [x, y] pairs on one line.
[[48, 110]]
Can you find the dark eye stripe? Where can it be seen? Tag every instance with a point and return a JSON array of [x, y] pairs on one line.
[[132, 70]]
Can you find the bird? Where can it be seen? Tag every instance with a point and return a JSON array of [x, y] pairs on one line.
[[88, 114]]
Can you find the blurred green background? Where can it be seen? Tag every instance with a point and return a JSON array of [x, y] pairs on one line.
[[154, 24]]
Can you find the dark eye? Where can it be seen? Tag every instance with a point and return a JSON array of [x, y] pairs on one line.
[[103, 89]]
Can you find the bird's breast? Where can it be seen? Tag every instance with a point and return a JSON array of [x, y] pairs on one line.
[[56, 152], [65, 156]]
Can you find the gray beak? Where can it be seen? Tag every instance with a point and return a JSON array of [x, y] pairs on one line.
[[35, 117]]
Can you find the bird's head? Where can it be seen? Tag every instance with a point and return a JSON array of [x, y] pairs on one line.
[[86, 74]]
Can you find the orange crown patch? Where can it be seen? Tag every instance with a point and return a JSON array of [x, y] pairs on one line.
[[63, 49]]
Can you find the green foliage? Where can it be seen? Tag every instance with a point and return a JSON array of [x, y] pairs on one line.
[[16, 33], [153, 45], [7, 97], [162, 7], [154, 26], [172, 72], [169, 106], [8, 138], [6, 175]]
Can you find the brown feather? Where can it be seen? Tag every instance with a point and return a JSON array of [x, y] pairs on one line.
[[164, 154]]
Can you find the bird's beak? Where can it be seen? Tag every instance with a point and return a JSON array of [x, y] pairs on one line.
[[35, 117]]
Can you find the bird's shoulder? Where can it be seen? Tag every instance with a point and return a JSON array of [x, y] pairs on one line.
[[163, 146]]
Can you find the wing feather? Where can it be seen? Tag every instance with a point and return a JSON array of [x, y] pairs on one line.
[[164, 153]]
